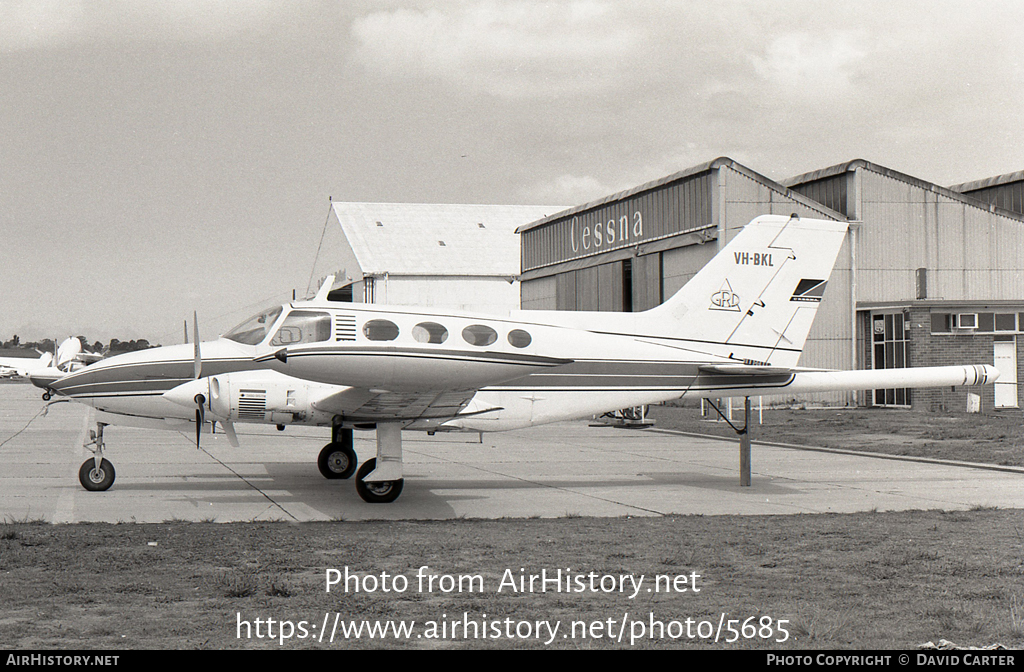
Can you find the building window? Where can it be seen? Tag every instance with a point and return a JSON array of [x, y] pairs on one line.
[[429, 332], [890, 340], [380, 330], [479, 335], [942, 323], [969, 322]]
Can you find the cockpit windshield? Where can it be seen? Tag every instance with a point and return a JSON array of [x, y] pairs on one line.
[[255, 329]]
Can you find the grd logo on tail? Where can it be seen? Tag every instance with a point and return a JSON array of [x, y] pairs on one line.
[[725, 299]]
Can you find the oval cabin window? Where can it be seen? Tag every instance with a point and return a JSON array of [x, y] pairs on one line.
[[429, 332], [519, 338], [479, 335], [380, 330]]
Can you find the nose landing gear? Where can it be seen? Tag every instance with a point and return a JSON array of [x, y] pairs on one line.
[[96, 473]]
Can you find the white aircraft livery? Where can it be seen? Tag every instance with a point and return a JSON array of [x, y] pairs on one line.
[[737, 328], [23, 366]]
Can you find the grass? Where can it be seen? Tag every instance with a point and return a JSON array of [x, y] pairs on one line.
[[871, 580], [874, 580], [990, 438]]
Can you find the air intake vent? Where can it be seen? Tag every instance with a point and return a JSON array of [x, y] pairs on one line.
[[344, 328], [252, 404]]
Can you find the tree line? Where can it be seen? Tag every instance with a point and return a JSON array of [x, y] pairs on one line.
[[115, 346]]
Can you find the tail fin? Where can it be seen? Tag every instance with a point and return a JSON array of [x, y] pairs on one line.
[[759, 295]]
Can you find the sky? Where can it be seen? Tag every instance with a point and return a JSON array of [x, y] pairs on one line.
[[160, 157]]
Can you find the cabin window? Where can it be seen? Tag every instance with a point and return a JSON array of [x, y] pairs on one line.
[[380, 330], [519, 338], [429, 332], [255, 329], [303, 326], [479, 335]]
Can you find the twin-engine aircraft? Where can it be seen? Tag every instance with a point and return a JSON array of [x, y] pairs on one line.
[[736, 329]]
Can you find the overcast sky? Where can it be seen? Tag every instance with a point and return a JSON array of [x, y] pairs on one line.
[[162, 157]]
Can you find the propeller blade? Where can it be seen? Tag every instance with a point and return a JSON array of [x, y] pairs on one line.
[[200, 416], [198, 369]]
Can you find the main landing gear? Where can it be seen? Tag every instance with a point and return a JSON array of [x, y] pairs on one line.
[[96, 473], [338, 458], [375, 485], [378, 481]]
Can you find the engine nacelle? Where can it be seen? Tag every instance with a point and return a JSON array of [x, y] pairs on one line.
[[265, 396]]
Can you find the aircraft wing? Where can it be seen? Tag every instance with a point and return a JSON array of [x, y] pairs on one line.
[[361, 404]]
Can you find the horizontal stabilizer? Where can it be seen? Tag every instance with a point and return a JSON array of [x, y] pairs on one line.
[[743, 369], [929, 376], [764, 380]]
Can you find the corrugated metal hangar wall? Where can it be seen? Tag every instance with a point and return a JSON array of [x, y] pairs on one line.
[[916, 254], [634, 249], [924, 255]]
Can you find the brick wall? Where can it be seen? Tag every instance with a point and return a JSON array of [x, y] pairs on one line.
[[943, 350], [927, 349]]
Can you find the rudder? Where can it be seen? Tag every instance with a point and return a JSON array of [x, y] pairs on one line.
[[759, 295]]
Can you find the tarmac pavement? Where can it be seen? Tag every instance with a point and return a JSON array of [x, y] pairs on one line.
[[565, 469]]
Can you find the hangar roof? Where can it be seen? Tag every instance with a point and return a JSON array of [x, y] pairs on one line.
[[436, 239], [988, 182], [675, 177], [953, 193]]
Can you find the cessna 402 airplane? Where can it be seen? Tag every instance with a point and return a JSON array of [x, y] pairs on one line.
[[736, 329]]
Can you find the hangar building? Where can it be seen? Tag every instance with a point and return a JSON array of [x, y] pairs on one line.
[[458, 256], [936, 279], [927, 276]]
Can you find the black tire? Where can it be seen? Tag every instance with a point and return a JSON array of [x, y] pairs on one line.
[[384, 492], [337, 460], [95, 479]]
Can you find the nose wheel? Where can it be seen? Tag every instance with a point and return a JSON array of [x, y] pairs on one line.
[[96, 478], [97, 473]]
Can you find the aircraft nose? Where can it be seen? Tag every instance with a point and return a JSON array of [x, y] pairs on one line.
[[46, 379]]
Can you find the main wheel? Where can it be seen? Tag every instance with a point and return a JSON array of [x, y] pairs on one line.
[[95, 479], [337, 461], [383, 492]]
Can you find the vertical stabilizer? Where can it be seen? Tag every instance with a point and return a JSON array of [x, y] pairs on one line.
[[759, 295]]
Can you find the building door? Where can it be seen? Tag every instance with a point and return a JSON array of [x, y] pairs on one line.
[[1005, 360], [890, 340]]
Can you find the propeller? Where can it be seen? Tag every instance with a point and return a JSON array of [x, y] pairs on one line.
[[200, 398]]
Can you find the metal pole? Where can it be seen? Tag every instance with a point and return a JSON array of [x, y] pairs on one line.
[[745, 445]]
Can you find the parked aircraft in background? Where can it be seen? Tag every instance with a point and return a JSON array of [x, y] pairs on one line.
[[736, 329], [23, 366], [70, 357]]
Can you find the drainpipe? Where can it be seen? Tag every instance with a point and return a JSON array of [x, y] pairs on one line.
[[853, 229]]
